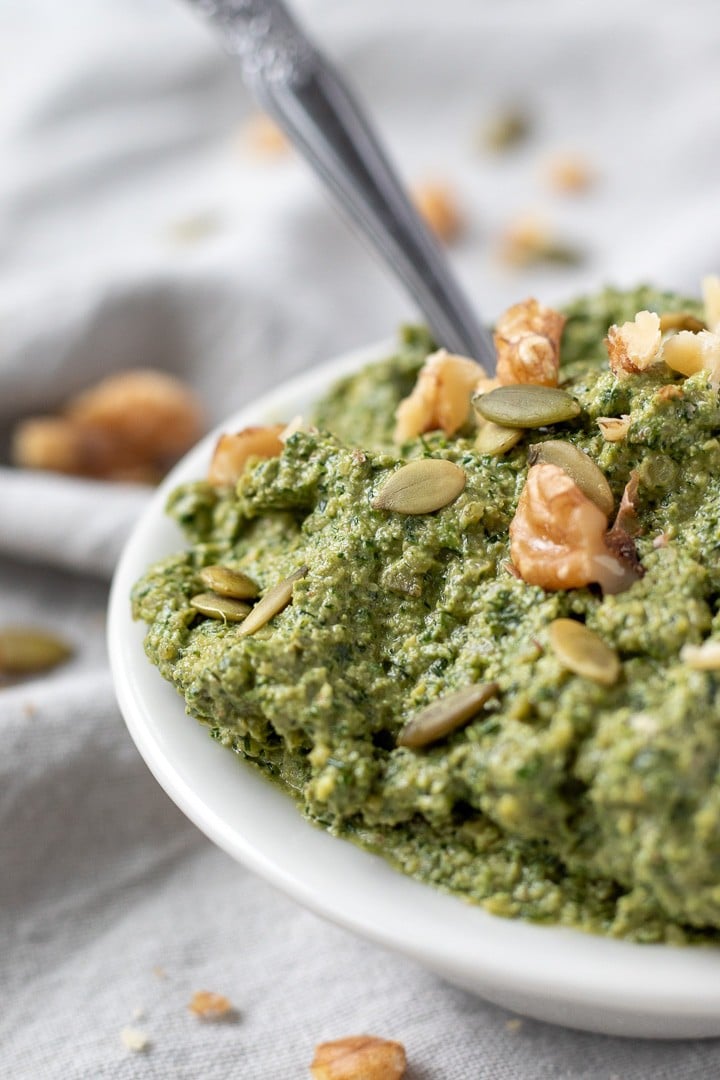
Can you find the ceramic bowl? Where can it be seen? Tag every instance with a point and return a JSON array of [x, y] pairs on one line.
[[550, 973]]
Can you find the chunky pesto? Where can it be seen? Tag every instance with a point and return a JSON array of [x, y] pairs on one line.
[[562, 800]]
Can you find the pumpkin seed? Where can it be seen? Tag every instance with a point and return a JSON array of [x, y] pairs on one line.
[[24, 650], [705, 657], [446, 715], [680, 320], [273, 601], [526, 406], [421, 487], [579, 466], [220, 607], [495, 440], [226, 582], [581, 651]]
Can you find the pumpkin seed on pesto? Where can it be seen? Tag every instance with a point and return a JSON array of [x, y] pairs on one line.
[[588, 803]]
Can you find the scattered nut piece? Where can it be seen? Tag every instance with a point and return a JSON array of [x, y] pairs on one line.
[[506, 130], [438, 206], [689, 353], [527, 339], [614, 428], [232, 452], [134, 1039], [711, 297], [557, 536], [528, 241], [569, 174], [263, 137], [210, 1006], [191, 230], [148, 410], [440, 397], [635, 346], [705, 657], [359, 1057], [131, 426]]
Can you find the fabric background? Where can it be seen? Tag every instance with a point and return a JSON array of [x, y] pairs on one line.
[[119, 122]]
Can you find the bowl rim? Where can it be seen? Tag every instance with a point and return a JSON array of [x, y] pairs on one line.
[[339, 881]]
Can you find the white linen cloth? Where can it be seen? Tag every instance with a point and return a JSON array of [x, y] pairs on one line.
[[119, 121]]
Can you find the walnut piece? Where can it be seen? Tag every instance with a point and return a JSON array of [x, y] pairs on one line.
[[359, 1057], [711, 297], [569, 174], [614, 428], [438, 206], [689, 353], [131, 426], [635, 346], [211, 1006], [557, 537], [527, 339], [232, 452], [440, 397], [263, 137]]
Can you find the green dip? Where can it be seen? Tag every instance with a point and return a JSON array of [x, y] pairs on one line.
[[562, 801]]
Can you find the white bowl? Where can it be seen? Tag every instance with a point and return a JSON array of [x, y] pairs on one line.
[[551, 973]]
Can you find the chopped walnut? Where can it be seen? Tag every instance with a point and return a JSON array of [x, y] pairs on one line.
[[438, 206], [569, 174], [614, 428], [440, 397], [134, 1039], [527, 339], [557, 537], [131, 426], [233, 451], [711, 297], [359, 1057], [635, 346], [689, 353], [264, 138], [211, 1006]]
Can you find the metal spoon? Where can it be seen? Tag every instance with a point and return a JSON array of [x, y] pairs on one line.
[[297, 86]]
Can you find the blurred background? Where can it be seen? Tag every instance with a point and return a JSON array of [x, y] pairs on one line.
[[146, 218], [150, 217]]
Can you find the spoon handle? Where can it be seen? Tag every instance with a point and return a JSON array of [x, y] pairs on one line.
[[297, 86]]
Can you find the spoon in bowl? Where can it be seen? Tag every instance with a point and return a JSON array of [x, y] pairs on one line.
[[310, 102]]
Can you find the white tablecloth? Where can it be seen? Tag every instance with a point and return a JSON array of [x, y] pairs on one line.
[[119, 125]]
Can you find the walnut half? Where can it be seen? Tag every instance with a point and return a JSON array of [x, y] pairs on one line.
[[558, 536], [359, 1057], [635, 346], [440, 397], [527, 339]]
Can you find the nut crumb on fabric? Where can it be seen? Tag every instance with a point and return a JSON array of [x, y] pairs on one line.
[[528, 241], [134, 1039], [359, 1057], [514, 1024], [263, 138], [159, 972], [439, 208], [569, 174], [208, 1005]]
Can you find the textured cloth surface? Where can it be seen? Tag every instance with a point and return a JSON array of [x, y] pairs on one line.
[[136, 228]]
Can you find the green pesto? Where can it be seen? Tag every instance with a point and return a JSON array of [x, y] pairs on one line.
[[564, 801]]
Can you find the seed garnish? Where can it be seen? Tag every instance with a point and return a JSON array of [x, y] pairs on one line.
[[24, 650], [581, 651], [495, 440], [526, 406], [274, 600], [705, 657], [224, 608], [421, 487], [579, 466], [226, 582], [446, 715]]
